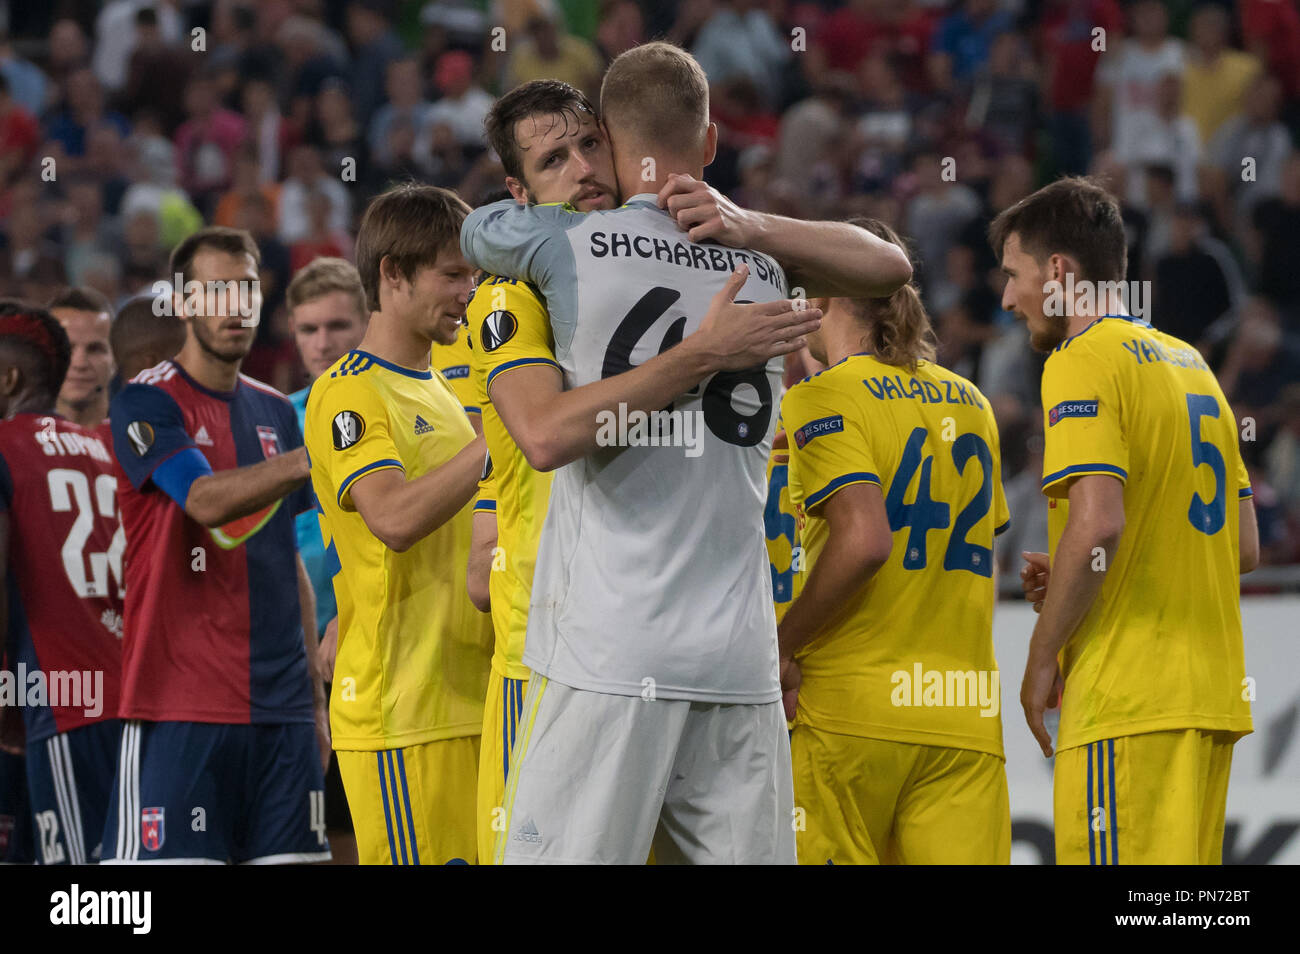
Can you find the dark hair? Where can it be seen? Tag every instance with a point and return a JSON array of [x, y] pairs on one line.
[[660, 94], [1073, 216], [81, 299], [38, 340], [898, 326], [138, 328], [546, 97], [218, 237], [409, 225], [146, 16]]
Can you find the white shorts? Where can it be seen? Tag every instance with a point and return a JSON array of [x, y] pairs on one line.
[[598, 778]]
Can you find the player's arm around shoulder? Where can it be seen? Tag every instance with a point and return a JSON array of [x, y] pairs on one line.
[[506, 238], [825, 259]]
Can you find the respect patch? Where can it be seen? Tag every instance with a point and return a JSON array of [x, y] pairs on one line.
[[818, 428], [1072, 409]]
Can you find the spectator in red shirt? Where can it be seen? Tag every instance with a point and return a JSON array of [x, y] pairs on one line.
[[320, 240], [206, 144], [1069, 46], [1271, 30], [20, 134]]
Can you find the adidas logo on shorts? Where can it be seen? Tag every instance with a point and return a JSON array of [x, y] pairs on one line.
[[422, 426], [528, 832]]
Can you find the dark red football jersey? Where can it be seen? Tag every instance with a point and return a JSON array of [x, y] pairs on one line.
[[65, 575]]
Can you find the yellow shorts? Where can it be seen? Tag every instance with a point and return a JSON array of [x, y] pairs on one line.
[[414, 805], [505, 699], [1152, 799], [872, 801]]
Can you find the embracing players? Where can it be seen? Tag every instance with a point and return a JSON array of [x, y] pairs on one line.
[[625, 607], [895, 470], [1150, 524]]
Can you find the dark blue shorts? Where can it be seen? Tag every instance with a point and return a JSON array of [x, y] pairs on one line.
[[16, 847], [70, 779], [216, 794]]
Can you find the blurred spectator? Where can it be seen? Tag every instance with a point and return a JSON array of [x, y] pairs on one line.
[[938, 212], [883, 132], [312, 54], [375, 45], [269, 132], [1004, 98], [1283, 453], [808, 128], [1190, 288], [964, 41], [258, 216], [900, 30], [335, 131], [115, 36], [19, 135], [306, 174], [1277, 225], [206, 143], [30, 264], [462, 106], [546, 53], [406, 103], [1165, 136], [1069, 40], [1271, 31], [69, 50], [1025, 501], [1217, 77], [1129, 76], [1262, 359], [85, 232], [26, 83], [143, 257], [741, 40], [82, 109], [1257, 135], [320, 240], [158, 73], [621, 27], [246, 185], [153, 187]]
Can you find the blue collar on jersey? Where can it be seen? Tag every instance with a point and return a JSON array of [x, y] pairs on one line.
[[203, 389], [424, 375]]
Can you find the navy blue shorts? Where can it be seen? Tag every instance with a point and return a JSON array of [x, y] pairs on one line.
[[215, 794], [16, 847], [70, 779]]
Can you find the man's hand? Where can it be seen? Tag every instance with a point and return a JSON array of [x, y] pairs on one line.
[[705, 213], [323, 742], [1040, 691], [1034, 576], [791, 680], [735, 337], [329, 647]]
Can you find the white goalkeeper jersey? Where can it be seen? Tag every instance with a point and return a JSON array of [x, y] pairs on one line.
[[652, 576]]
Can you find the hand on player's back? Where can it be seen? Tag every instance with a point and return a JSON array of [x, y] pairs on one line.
[[705, 213], [738, 336]]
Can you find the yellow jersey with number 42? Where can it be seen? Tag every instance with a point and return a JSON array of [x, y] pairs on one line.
[[910, 658], [1161, 646]]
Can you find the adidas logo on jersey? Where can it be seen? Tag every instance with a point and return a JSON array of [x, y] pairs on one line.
[[528, 832], [422, 426], [202, 437]]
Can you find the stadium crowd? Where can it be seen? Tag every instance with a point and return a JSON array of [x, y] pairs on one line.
[[128, 125]]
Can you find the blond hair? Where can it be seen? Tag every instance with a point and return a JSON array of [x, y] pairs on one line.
[[323, 276], [660, 95], [898, 327]]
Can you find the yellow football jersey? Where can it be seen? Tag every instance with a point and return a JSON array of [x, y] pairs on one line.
[[509, 328], [779, 527], [452, 362], [1161, 647], [413, 651], [910, 659]]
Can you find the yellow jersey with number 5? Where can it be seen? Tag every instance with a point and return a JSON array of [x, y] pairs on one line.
[[1161, 646], [910, 658]]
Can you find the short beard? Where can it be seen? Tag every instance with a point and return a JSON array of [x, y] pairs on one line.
[[236, 357], [1048, 340]]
